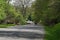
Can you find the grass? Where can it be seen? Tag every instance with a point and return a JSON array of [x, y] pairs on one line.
[[6, 25], [53, 33]]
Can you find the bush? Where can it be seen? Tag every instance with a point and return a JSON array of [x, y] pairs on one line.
[[19, 19], [54, 33]]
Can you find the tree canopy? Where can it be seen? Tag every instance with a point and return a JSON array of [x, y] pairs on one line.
[[47, 12]]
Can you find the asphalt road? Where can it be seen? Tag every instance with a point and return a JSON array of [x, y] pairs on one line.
[[23, 32]]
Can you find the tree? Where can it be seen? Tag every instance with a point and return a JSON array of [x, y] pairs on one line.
[[40, 7], [22, 6], [47, 11], [2, 11]]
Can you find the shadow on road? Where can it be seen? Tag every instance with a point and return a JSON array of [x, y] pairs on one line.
[[29, 35]]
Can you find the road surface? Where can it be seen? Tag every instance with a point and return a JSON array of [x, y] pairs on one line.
[[22, 32]]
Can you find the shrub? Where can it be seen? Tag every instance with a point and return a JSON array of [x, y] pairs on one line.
[[54, 33]]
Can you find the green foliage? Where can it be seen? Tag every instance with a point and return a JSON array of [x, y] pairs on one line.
[[47, 11], [2, 13], [9, 14], [19, 19], [40, 7], [53, 33], [54, 13], [6, 25]]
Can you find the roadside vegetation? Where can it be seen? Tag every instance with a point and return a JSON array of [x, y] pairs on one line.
[[6, 25], [53, 33], [47, 12]]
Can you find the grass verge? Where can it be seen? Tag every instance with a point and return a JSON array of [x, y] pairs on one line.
[[6, 25], [53, 33]]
